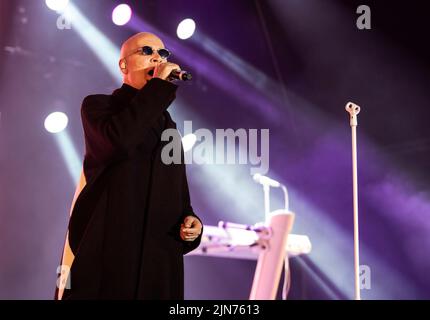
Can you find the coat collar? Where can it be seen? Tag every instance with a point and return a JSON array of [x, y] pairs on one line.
[[126, 92]]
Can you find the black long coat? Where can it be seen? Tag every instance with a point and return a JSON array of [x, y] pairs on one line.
[[124, 228]]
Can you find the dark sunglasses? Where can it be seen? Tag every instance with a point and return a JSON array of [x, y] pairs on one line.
[[148, 51]]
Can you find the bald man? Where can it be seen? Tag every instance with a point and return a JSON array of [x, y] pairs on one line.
[[133, 221]]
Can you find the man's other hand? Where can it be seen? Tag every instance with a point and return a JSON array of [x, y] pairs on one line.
[[190, 229]]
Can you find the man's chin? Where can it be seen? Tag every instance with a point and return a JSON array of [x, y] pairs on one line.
[[137, 84]]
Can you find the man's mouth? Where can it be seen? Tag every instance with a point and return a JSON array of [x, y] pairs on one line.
[[151, 72]]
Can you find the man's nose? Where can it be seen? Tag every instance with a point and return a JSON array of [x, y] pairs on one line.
[[155, 57]]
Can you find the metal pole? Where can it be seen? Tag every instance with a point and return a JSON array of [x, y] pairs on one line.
[[353, 110]]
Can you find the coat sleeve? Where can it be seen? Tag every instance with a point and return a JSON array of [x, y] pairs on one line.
[[188, 211], [111, 130]]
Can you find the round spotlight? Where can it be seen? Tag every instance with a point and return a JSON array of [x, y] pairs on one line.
[[188, 141], [56, 122], [121, 14], [186, 29], [57, 5]]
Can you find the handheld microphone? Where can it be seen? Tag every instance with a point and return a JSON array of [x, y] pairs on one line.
[[180, 75]]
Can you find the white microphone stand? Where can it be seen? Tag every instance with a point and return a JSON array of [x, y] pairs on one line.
[[266, 191], [270, 260], [267, 183], [353, 111]]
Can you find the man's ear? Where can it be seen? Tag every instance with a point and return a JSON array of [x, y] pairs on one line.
[[123, 65]]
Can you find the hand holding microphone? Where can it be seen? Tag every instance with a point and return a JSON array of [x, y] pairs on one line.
[[171, 71]]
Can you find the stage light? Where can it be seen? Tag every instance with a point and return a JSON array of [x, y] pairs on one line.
[[57, 5], [102, 47], [121, 14], [188, 141], [186, 29], [56, 122]]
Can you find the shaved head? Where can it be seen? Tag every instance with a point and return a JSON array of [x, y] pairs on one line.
[[139, 40], [136, 67]]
